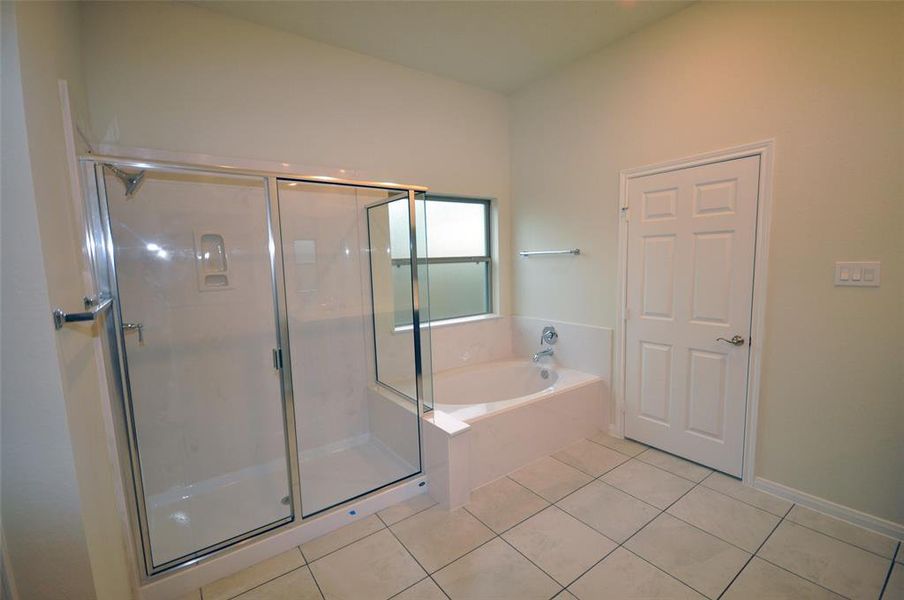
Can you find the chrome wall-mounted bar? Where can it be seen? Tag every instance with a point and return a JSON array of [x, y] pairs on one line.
[[93, 308], [573, 251], [440, 260]]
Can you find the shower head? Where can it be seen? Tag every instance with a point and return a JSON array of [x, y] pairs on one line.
[[130, 180]]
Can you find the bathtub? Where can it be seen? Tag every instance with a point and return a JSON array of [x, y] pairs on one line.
[[515, 411], [476, 392]]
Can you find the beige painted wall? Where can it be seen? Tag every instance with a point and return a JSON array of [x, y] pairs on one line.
[[185, 79], [827, 82], [53, 407]]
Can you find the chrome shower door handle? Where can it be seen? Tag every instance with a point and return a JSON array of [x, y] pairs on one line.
[[734, 341], [93, 308], [133, 326]]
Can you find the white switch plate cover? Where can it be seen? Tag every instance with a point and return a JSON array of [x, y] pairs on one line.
[[857, 274]]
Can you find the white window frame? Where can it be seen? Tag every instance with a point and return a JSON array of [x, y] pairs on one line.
[[486, 258]]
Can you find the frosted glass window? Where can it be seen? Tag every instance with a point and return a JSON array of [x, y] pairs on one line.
[[457, 257]]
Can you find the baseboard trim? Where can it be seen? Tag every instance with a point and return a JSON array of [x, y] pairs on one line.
[[839, 511]]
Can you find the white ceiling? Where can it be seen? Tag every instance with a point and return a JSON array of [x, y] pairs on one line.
[[497, 45]]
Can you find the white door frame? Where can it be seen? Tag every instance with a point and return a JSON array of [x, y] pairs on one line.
[[765, 150]]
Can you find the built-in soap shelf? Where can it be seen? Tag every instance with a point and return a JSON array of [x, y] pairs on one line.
[[211, 261]]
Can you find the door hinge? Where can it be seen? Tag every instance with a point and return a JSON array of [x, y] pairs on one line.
[[627, 314], [277, 359]]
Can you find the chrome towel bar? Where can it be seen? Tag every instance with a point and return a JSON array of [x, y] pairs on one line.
[[93, 307], [573, 251]]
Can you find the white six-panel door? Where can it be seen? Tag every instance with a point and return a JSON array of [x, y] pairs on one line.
[[691, 243]]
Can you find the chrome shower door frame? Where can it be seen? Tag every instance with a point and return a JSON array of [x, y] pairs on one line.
[[100, 253]]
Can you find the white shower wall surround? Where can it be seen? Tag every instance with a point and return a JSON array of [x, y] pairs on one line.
[[329, 310], [586, 348]]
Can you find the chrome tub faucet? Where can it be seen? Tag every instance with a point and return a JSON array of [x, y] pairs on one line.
[[548, 338]]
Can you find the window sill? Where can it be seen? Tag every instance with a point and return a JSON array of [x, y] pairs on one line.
[[450, 322]]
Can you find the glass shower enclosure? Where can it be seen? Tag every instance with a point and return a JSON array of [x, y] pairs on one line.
[[246, 346]]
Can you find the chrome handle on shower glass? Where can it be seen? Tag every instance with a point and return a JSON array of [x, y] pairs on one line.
[[138, 326], [734, 341], [93, 307]]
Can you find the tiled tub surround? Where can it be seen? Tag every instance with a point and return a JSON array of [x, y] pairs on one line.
[[476, 340], [604, 518], [585, 348]]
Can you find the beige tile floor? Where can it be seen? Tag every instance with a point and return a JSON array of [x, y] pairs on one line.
[[604, 518]]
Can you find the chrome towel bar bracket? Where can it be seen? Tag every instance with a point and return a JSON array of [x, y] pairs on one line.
[[572, 251], [93, 307]]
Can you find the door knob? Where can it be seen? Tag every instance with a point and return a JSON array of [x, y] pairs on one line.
[[734, 341]]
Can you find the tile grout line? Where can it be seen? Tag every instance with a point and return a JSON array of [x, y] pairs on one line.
[[838, 539], [533, 514], [817, 584], [891, 569], [712, 489], [383, 526], [619, 451], [661, 570], [709, 533], [201, 589], [753, 555], [648, 448], [657, 467], [662, 512], [622, 545], [591, 475], [778, 566], [405, 589], [697, 484], [342, 547], [551, 578], [545, 499], [782, 518], [414, 558], [672, 472], [406, 517], [505, 541], [261, 584], [317, 583]]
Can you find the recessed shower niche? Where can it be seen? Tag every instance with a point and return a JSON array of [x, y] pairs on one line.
[[213, 272]]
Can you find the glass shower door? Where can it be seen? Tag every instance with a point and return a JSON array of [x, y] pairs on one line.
[[354, 435], [196, 292]]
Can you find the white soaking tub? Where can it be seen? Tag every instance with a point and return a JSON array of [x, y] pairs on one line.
[[517, 411], [474, 392]]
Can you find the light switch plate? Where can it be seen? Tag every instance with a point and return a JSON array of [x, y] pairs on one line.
[[857, 274]]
